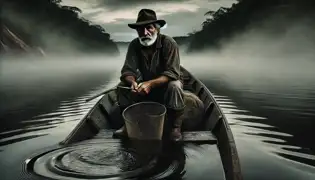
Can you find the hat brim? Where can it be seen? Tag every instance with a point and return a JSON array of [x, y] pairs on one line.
[[143, 23]]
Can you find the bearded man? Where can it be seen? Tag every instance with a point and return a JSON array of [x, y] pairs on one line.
[[154, 57]]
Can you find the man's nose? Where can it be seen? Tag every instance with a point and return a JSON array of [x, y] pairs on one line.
[[146, 32]]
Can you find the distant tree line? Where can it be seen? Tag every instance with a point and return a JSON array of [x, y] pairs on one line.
[[181, 40], [226, 22], [56, 28]]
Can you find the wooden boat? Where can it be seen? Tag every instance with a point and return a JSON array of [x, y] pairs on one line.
[[88, 140], [102, 116]]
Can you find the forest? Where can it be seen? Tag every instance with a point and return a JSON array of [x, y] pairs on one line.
[[224, 23], [46, 25]]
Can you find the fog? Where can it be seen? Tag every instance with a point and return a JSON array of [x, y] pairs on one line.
[[260, 52], [286, 56], [29, 83], [278, 48], [271, 57], [270, 52]]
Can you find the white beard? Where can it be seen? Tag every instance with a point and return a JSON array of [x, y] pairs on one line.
[[148, 42]]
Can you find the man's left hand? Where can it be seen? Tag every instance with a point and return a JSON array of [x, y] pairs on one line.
[[144, 87]]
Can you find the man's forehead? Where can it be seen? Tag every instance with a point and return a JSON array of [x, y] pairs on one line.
[[146, 26], [151, 24]]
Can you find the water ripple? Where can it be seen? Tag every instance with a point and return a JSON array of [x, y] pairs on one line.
[[265, 136], [92, 160], [68, 110]]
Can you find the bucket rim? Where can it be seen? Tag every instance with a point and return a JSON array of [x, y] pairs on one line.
[[144, 102]]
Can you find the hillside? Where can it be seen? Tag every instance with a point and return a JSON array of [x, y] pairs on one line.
[[225, 23], [55, 28]]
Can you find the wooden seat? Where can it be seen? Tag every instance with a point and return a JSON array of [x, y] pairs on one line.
[[188, 136], [199, 137]]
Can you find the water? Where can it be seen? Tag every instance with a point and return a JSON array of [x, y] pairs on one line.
[[273, 133], [270, 111]]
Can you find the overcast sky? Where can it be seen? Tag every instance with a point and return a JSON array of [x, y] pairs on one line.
[[182, 16]]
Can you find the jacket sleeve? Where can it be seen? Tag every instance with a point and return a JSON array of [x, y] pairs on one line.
[[130, 65], [172, 59]]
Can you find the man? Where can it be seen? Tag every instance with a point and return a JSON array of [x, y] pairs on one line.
[[155, 57]]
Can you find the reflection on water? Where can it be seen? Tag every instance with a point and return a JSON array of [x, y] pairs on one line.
[[248, 124], [263, 148], [40, 124], [47, 128], [252, 136], [284, 119]]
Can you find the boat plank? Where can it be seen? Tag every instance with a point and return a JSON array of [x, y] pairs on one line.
[[199, 137], [188, 136]]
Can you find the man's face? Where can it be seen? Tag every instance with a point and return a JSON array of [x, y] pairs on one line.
[[147, 34]]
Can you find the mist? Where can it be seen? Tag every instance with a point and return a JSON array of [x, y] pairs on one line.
[[278, 53], [31, 83], [285, 58], [258, 52], [277, 50]]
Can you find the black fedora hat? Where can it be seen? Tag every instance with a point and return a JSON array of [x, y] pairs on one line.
[[146, 16]]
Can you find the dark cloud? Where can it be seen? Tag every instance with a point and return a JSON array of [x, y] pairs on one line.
[[113, 4], [119, 3]]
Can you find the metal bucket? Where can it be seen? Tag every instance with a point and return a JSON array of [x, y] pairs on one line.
[[145, 120]]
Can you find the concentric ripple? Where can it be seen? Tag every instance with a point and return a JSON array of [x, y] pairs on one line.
[[102, 160]]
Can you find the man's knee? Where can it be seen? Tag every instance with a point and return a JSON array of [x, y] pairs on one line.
[[174, 85]]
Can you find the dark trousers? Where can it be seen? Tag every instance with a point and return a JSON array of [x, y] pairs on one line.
[[171, 95]]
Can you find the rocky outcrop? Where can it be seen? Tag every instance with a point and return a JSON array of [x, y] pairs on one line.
[[11, 41]]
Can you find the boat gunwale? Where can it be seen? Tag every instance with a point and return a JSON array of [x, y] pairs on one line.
[[237, 175]]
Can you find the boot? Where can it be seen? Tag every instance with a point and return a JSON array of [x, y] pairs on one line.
[[120, 133], [176, 120]]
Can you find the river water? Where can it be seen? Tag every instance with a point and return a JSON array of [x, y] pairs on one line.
[[269, 106]]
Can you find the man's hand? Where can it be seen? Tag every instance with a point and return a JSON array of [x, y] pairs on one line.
[[144, 87], [134, 86]]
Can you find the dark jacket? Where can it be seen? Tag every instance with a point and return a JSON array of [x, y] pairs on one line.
[[165, 60]]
